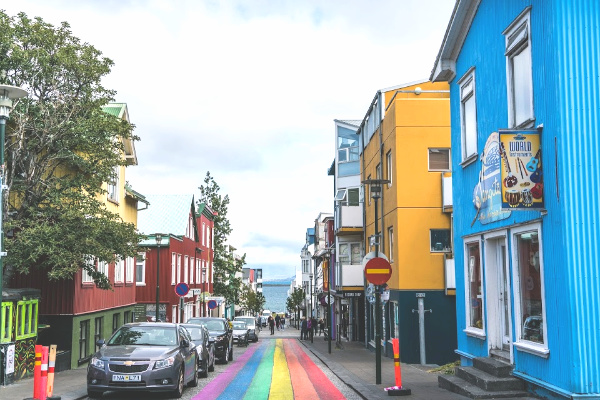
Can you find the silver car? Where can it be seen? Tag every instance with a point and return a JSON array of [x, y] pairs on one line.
[[144, 356], [252, 328]]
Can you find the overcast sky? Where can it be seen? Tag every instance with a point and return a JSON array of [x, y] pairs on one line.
[[248, 90]]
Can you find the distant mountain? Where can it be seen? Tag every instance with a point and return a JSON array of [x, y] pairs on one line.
[[278, 281]]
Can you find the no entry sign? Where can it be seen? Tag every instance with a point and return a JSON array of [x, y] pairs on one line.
[[378, 271]]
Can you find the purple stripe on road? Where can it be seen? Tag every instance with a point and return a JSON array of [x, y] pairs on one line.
[[218, 385]]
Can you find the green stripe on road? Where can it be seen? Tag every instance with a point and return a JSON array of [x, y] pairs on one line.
[[261, 384]]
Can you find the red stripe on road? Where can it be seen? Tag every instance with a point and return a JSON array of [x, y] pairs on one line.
[[301, 384], [324, 387]]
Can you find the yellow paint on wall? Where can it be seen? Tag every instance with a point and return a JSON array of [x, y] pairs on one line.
[[281, 383]]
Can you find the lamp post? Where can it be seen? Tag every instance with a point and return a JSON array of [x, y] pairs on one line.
[[158, 238], [375, 189], [329, 301], [312, 328], [7, 95], [203, 291]]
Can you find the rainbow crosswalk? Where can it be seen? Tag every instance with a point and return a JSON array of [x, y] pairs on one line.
[[273, 369]]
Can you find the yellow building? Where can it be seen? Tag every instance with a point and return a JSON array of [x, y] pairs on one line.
[[406, 140]]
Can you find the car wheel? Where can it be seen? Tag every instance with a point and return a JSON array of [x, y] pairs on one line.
[[226, 357], [194, 381], [92, 394], [204, 372], [178, 392]]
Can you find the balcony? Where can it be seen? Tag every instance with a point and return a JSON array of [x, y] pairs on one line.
[[351, 275], [447, 192]]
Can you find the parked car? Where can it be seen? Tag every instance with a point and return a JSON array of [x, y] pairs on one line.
[[205, 348], [265, 317], [144, 356], [219, 329], [252, 328], [240, 333]]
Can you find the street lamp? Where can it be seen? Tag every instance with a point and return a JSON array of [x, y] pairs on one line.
[[158, 237], [312, 328], [7, 95], [329, 299], [203, 291], [375, 189]]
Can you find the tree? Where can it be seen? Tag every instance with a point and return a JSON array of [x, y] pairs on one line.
[[294, 301], [251, 301], [60, 150], [225, 264]]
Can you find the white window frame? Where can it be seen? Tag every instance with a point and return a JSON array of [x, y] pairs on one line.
[[141, 279], [129, 270], [517, 38], [112, 186], [192, 268], [173, 268], [178, 268], [439, 150], [391, 242], [198, 270], [204, 233], [389, 164], [466, 86], [186, 266], [103, 267], [520, 343], [472, 330], [85, 276], [119, 270]]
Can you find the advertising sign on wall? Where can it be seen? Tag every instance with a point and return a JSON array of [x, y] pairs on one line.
[[522, 177]]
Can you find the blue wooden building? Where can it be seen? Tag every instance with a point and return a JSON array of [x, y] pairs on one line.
[[525, 104]]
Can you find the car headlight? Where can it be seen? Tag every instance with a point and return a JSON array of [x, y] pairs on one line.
[[96, 362], [167, 362]]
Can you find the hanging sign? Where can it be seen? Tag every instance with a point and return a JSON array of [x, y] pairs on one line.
[[522, 174]]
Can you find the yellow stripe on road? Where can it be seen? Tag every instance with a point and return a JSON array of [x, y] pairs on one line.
[[281, 383], [378, 271]]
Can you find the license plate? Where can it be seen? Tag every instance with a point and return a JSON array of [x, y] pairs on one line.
[[127, 378]]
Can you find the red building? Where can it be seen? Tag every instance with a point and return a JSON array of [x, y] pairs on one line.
[[184, 254]]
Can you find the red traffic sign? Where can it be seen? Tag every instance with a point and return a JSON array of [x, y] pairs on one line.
[[182, 289], [378, 271], [212, 304]]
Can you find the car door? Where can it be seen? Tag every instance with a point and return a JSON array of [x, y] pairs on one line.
[[188, 353]]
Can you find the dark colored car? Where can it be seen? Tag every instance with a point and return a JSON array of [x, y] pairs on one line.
[[219, 329], [240, 333], [252, 328], [144, 356], [205, 348]]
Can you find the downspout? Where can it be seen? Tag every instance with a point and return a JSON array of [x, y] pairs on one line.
[[365, 301], [382, 232]]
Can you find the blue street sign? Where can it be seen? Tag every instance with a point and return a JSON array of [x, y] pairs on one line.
[[182, 289]]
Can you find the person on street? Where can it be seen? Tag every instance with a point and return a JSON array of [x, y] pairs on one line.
[[321, 326], [303, 328], [282, 323], [271, 322], [309, 327], [277, 321]]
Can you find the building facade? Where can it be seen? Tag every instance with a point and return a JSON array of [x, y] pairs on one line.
[[523, 78]]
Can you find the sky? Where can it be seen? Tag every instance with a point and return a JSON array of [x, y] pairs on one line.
[[249, 90]]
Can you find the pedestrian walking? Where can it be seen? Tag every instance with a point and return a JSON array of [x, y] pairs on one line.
[[321, 326], [303, 329], [277, 321], [282, 322], [309, 327], [271, 322]]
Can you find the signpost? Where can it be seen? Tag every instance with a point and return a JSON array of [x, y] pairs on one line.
[[182, 289]]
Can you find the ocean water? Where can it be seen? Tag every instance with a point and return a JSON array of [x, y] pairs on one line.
[[275, 296]]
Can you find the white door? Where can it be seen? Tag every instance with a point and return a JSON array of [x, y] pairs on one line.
[[504, 295]]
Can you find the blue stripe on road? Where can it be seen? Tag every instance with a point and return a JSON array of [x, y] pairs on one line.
[[237, 388]]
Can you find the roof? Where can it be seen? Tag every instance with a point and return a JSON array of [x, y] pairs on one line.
[[444, 68], [353, 122], [119, 110], [167, 214]]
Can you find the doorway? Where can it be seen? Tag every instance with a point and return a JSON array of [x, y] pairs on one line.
[[498, 301]]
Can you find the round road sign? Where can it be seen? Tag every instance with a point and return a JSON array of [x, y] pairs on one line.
[[378, 270], [212, 304], [182, 289]]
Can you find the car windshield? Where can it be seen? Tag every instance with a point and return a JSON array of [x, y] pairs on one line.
[[196, 332], [239, 325], [144, 335], [248, 321]]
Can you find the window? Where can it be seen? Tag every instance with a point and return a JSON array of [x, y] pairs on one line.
[[529, 286], [388, 160], [113, 185], [127, 317], [7, 322], [85, 276], [391, 242], [129, 269], [27, 317], [192, 270], [348, 153], [178, 268], [140, 270], [186, 266], [173, 268], [116, 322], [98, 329], [198, 270], [84, 334], [473, 288], [119, 269], [440, 240], [378, 172], [367, 190], [439, 159], [204, 234], [468, 115], [103, 267], [350, 253], [348, 197], [518, 72]]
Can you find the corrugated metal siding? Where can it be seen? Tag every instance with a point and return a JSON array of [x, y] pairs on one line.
[[578, 33]]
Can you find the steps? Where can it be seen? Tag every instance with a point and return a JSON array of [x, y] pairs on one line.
[[488, 378]]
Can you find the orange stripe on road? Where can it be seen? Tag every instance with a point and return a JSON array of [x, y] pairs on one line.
[[301, 383]]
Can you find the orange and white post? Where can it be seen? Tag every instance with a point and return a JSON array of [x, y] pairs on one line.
[[51, 363], [37, 368], [44, 374], [398, 370]]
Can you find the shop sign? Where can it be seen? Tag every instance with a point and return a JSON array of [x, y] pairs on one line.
[[522, 175], [352, 294], [487, 194]]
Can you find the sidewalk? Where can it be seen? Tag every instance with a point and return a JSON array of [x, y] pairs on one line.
[[355, 365], [68, 385]]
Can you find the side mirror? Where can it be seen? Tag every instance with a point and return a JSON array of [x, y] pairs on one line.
[[100, 342], [185, 343]]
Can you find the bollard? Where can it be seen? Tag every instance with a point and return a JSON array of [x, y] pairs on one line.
[[44, 374], [37, 368], [397, 390], [51, 363]]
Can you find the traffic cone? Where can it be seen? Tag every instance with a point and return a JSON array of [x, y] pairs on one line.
[[397, 390]]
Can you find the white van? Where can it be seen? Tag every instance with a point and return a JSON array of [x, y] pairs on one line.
[[265, 317]]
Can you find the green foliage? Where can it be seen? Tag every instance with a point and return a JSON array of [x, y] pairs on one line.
[[60, 149], [295, 301], [251, 301], [225, 264]]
